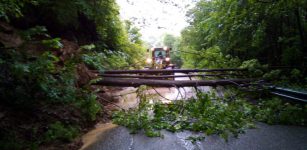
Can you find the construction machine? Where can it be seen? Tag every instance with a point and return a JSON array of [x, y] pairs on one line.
[[159, 58]]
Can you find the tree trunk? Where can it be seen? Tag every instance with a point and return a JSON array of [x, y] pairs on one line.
[[168, 83], [156, 71], [165, 76]]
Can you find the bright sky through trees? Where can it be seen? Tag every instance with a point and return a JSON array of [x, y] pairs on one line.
[[155, 17]]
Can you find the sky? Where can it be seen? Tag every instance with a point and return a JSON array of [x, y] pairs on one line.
[[156, 17]]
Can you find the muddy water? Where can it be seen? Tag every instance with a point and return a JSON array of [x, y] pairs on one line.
[[113, 137], [128, 99]]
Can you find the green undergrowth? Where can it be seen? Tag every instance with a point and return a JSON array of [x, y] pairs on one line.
[[277, 112], [58, 131], [208, 114], [41, 93]]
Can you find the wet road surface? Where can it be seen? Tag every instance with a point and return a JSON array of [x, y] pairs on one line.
[[264, 137]]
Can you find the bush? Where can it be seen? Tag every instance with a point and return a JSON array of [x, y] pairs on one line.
[[88, 105], [58, 131], [276, 112], [272, 75], [254, 68], [296, 75], [25, 81], [102, 60]]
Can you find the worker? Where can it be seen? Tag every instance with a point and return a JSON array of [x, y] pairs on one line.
[[160, 55]]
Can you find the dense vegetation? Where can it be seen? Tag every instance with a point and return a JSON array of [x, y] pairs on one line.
[[47, 50], [173, 42], [272, 31]]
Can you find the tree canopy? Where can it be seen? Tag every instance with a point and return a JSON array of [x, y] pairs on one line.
[[272, 31]]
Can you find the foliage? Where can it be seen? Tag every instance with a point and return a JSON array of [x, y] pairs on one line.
[[26, 82], [53, 43], [200, 114], [100, 61], [208, 114], [101, 19], [88, 105], [272, 75], [58, 131], [275, 112], [288, 78], [38, 82], [173, 42], [193, 139], [133, 33], [94, 61], [30, 34], [210, 58], [296, 75], [24, 78], [12, 8], [272, 31], [253, 66], [169, 41]]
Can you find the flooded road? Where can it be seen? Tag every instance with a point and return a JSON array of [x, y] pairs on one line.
[[127, 98], [113, 137]]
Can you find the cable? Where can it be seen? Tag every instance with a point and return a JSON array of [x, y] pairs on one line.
[[160, 94], [123, 94], [112, 103]]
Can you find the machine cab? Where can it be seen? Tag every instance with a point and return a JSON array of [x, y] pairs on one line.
[[160, 58]]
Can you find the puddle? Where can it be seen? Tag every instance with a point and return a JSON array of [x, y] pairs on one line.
[[128, 99]]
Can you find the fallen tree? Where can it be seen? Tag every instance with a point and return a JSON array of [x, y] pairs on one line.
[[155, 71], [169, 83], [165, 76]]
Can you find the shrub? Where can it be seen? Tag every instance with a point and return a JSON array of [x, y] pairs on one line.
[[254, 68], [274, 111], [88, 105], [272, 75], [58, 131]]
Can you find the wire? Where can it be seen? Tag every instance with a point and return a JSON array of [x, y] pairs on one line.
[[161, 95], [112, 103], [123, 94]]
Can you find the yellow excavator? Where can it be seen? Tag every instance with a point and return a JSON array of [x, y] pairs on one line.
[[159, 58]]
